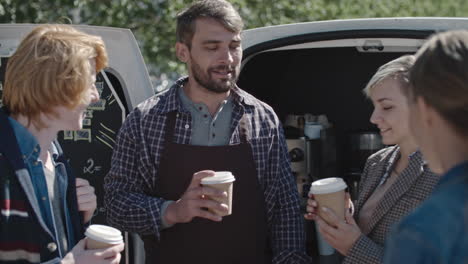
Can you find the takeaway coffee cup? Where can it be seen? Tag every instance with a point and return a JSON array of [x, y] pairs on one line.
[[102, 236], [224, 181], [330, 193]]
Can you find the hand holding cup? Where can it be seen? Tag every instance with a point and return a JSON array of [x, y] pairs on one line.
[[331, 208], [102, 245], [330, 193], [194, 203], [223, 181]]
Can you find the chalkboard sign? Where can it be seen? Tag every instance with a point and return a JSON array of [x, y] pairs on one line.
[[89, 150]]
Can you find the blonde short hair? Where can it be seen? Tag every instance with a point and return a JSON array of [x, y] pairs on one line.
[[398, 68], [51, 68]]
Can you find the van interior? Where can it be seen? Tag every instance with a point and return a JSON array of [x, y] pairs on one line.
[[323, 78]]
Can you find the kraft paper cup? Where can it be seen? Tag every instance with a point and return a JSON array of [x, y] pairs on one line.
[[330, 193], [324, 248], [224, 181], [102, 236]]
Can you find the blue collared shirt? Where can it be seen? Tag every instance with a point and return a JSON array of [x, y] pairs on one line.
[[436, 232], [30, 150], [208, 130]]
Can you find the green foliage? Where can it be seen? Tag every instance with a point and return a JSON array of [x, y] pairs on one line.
[[153, 21]]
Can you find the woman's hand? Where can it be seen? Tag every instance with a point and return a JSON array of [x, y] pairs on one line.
[[312, 205], [311, 208], [340, 234]]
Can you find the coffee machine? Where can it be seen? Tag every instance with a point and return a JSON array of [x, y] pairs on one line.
[[361, 145], [297, 150], [312, 149]]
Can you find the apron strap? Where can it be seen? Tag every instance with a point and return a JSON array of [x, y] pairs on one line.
[[170, 127], [171, 119]]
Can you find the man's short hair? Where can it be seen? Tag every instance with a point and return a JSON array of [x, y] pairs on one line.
[[219, 10], [398, 69], [51, 68], [440, 77]]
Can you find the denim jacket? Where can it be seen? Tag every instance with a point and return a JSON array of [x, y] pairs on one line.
[[27, 229], [437, 232]]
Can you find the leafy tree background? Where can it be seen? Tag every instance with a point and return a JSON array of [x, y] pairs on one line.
[[153, 21]]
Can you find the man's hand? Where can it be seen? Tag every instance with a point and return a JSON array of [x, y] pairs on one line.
[[86, 199], [194, 204], [79, 255]]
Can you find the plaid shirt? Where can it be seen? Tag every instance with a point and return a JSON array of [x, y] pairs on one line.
[[135, 161]]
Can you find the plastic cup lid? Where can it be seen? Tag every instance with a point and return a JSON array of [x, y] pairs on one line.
[[327, 185], [105, 234], [220, 177]]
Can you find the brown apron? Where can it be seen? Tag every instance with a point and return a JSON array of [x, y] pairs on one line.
[[238, 238]]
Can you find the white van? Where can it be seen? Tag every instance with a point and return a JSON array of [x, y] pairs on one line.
[[318, 68]]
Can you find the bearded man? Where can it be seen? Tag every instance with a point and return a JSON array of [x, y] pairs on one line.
[[205, 123]]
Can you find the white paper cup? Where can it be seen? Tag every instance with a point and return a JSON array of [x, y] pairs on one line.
[[102, 236], [224, 181], [329, 192]]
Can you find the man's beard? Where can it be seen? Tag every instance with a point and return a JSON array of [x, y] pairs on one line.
[[205, 80]]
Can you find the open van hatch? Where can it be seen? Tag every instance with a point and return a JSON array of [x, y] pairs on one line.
[[322, 67]]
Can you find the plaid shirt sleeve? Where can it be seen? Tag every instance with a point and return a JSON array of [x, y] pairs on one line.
[[128, 207], [286, 222]]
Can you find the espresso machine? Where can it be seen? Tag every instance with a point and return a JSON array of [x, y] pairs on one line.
[[361, 145], [312, 149], [297, 149]]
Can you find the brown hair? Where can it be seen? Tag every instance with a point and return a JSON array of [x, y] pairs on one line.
[[440, 77], [220, 10], [398, 69], [51, 68]]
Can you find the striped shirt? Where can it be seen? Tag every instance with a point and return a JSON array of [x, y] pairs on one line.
[[136, 157]]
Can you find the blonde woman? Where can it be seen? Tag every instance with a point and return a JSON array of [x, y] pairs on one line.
[[394, 181], [49, 83]]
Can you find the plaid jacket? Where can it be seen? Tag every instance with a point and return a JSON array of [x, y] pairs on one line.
[[24, 235], [412, 187], [136, 157]]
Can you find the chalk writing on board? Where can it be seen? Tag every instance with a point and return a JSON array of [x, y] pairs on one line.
[[90, 167]]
